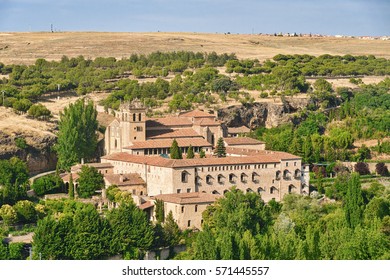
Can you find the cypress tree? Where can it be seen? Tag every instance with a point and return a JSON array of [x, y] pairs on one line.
[[190, 152], [220, 150], [71, 187], [353, 203], [159, 211], [175, 150]]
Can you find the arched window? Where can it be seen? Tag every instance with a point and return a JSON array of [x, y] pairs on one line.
[[286, 175], [232, 178], [184, 177], [297, 174], [249, 190], [277, 175], [273, 190], [215, 192], [134, 117], [243, 178], [260, 190], [225, 191], [291, 188], [209, 179], [220, 179], [255, 177]]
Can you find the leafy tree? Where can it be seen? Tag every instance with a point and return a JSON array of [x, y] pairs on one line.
[[8, 214], [353, 204], [46, 184], [362, 168], [26, 211], [22, 105], [16, 251], [21, 143], [220, 150], [77, 136], [381, 169], [190, 152], [131, 230], [13, 179], [175, 151], [89, 181]]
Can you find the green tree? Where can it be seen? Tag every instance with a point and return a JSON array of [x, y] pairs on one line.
[[8, 214], [38, 111], [13, 179], [160, 215], [77, 137], [202, 153], [175, 151], [46, 184], [71, 187], [26, 211], [89, 181], [353, 202], [220, 150], [172, 233], [190, 152], [131, 230]]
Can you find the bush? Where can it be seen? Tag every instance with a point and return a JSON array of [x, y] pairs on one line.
[[21, 143], [381, 169], [26, 211], [39, 111], [263, 95], [46, 184], [362, 168]]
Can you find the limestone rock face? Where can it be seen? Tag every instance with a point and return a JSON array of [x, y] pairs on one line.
[[39, 153], [259, 114]]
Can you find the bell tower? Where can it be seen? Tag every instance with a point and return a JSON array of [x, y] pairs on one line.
[[133, 122]]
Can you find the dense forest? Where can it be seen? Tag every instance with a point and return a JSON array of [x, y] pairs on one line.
[[340, 220]]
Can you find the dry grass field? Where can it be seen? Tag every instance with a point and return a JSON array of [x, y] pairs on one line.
[[25, 48]]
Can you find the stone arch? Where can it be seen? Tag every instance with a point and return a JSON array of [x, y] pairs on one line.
[[273, 190], [277, 175], [297, 173], [291, 188], [209, 179], [286, 174], [260, 190], [249, 190], [243, 177], [225, 191], [215, 192]]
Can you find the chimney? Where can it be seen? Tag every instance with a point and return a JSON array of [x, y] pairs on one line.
[[121, 179]]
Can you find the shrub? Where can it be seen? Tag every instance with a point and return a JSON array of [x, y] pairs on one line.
[[362, 168], [381, 169]]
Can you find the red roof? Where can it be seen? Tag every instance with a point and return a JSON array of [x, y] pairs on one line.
[[240, 129], [168, 121], [207, 122], [129, 179], [167, 143], [188, 198], [231, 141], [146, 205], [197, 114], [253, 158], [171, 134]]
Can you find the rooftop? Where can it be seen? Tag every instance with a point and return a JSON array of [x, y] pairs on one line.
[[129, 179], [168, 121], [196, 114], [167, 143], [231, 141], [171, 134], [240, 129], [188, 198], [252, 158], [207, 122]]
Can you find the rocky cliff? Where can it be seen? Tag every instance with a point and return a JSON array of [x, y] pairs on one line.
[[38, 154], [259, 114]]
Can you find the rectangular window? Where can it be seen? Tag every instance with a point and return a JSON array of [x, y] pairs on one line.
[[295, 163], [188, 190], [189, 223], [139, 128], [182, 209], [178, 191], [286, 163]]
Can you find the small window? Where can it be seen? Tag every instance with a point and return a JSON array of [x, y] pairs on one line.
[[189, 223], [184, 177], [139, 117], [196, 208], [134, 117], [188, 190], [178, 191], [182, 209], [295, 163], [139, 128], [287, 163], [141, 193], [209, 179]]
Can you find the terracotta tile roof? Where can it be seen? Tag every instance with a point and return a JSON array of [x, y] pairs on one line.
[[259, 153], [231, 141], [167, 143], [188, 198], [253, 158], [168, 121], [240, 129], [196, 114], [146, 205], [129, 179], [66, 177], [171, 134], [207, 122]]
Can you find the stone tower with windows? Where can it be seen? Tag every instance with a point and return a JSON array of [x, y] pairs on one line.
[[129, 127]]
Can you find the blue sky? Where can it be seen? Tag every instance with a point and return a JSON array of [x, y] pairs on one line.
[[347, 17]]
